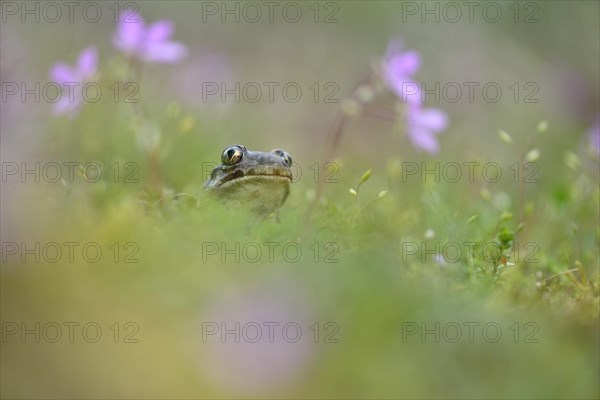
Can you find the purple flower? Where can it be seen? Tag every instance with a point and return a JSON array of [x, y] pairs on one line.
[[438, 258], [72, 79], [398, 70], [262, 359], [151, 43], [423, 125]]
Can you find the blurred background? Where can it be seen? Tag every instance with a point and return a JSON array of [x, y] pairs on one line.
[[150, 284]]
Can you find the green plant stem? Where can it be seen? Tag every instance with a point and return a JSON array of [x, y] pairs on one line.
[[154, 179]]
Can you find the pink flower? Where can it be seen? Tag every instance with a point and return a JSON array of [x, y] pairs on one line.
[[423, 125], [72, 79], [260, 359], [149, 44], [398, 70]]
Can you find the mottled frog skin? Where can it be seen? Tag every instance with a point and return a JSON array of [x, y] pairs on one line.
[[254, 180]]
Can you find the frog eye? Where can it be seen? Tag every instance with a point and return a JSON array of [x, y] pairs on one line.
[[286, 157], [232, 155]]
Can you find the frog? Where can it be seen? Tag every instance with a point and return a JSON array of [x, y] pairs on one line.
[[254, 180]]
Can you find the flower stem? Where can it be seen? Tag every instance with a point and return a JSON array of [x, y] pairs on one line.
[[154, 180], [380, 113], [334, 140]]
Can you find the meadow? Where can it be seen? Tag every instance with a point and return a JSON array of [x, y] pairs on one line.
[[441, 238]]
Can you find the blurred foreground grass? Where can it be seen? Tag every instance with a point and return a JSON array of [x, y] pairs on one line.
[[354, 270]]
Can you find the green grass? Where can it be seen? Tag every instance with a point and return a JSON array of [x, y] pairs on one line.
[[361, 277]]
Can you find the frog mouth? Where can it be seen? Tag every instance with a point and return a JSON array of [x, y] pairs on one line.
[[265, 173]]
